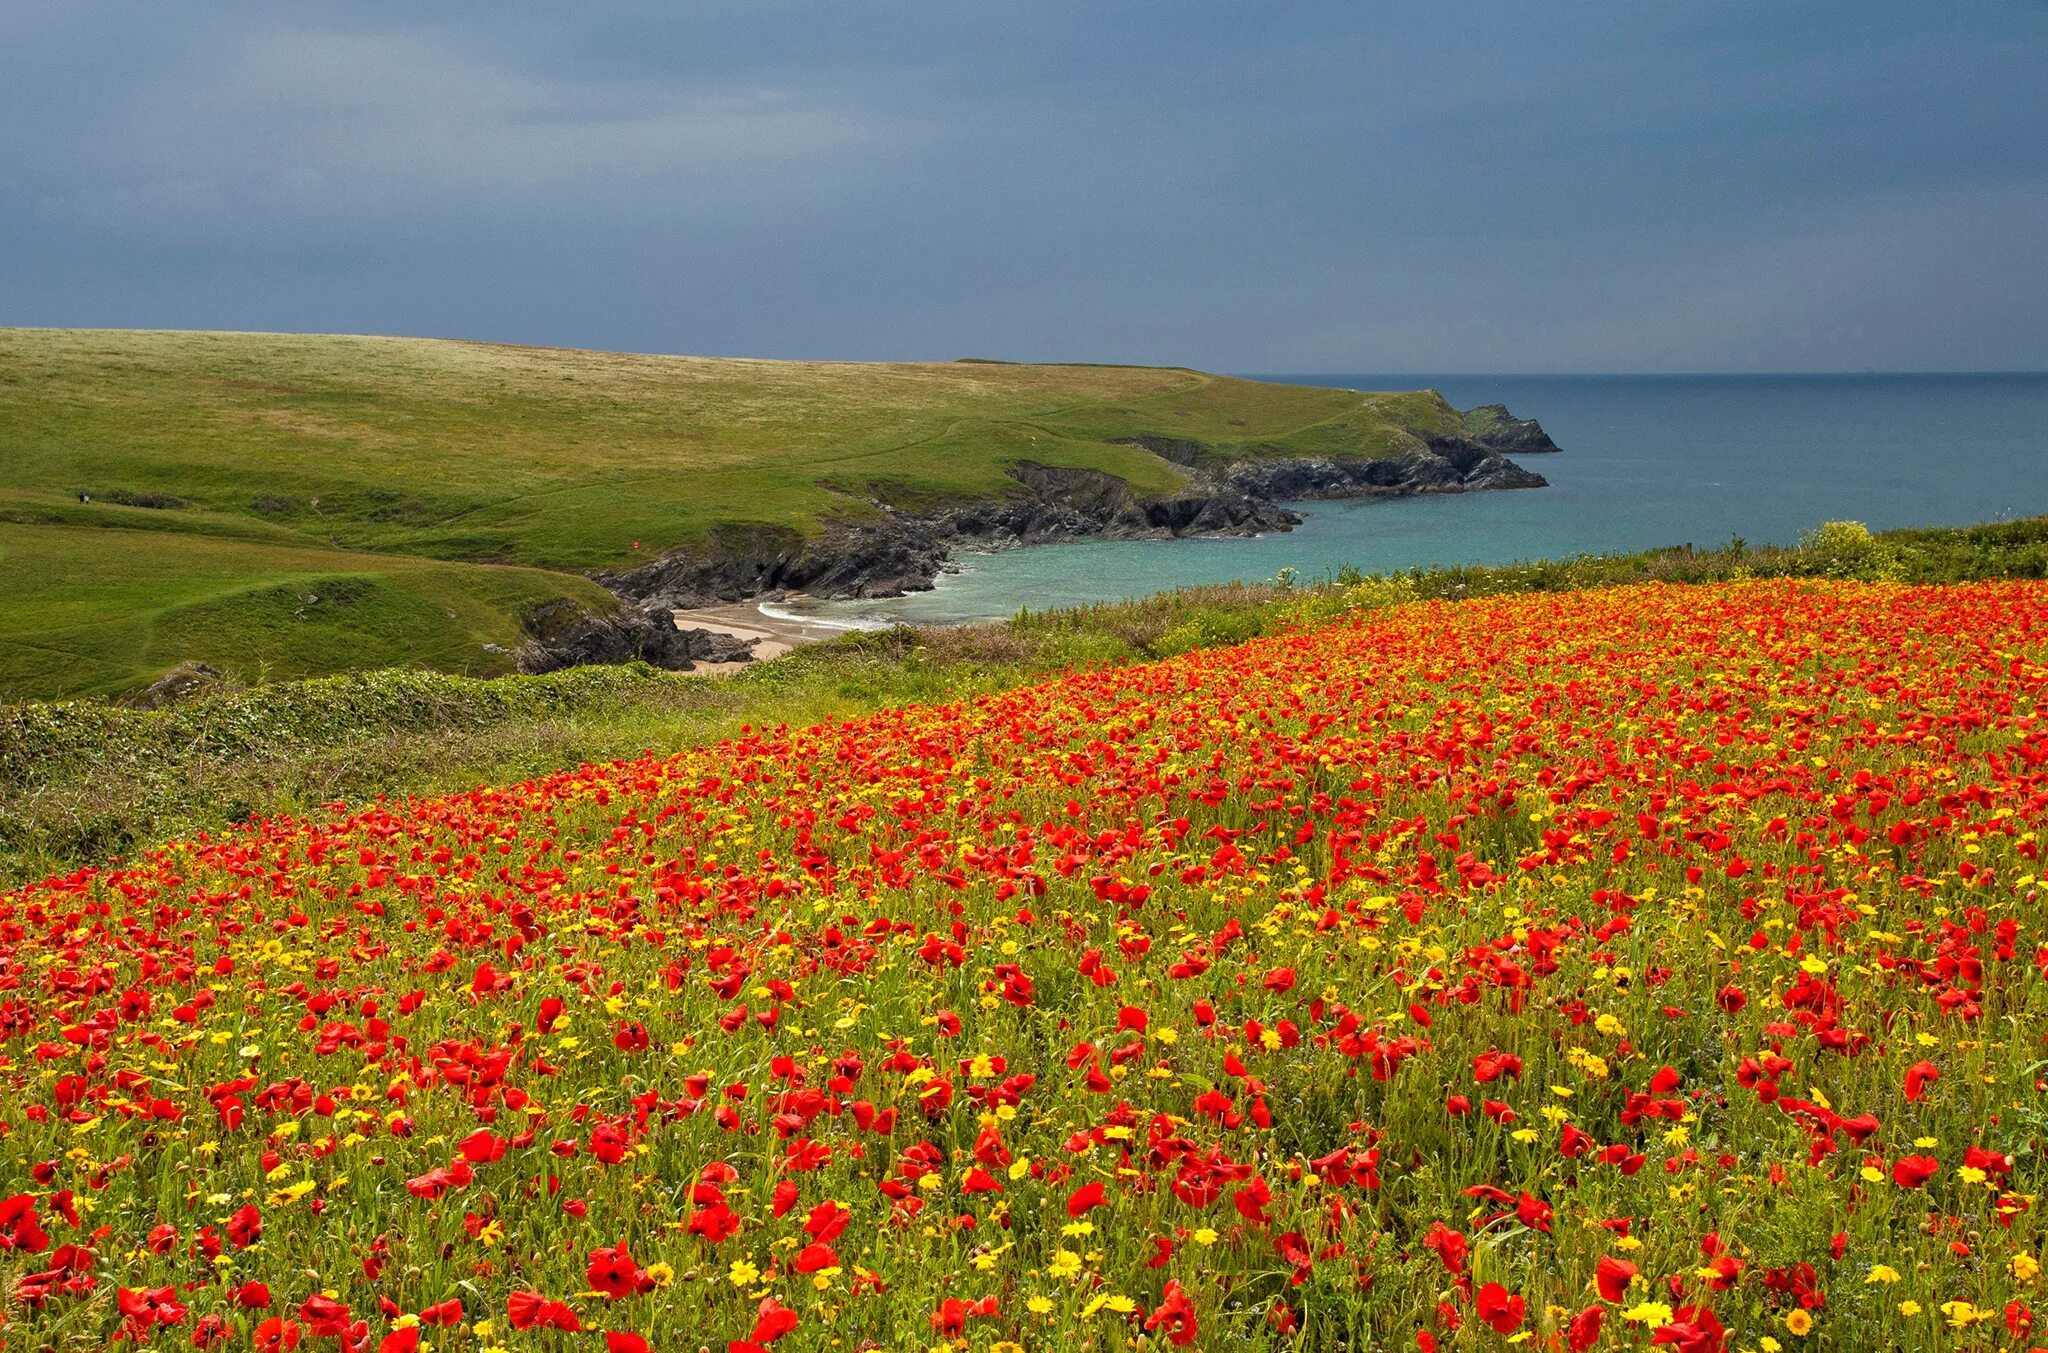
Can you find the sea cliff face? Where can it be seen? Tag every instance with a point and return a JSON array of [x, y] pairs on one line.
[[900, 551]]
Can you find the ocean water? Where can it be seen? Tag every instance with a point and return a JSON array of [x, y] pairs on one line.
[[1647, 461]]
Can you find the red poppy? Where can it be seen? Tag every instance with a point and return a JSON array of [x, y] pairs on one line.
[[772, 1320], [1500, 1308], [277, 1335], [1175, 1314], [1613, 1276]]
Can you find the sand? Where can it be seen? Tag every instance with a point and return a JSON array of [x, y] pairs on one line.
[[743, 620]]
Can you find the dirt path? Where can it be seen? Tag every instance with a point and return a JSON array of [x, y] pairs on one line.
[[743, 620]]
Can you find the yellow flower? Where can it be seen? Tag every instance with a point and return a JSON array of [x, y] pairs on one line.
[[742, 1273], [1961, 1314], [1648, 1313], [1037, 1305], [1065, 1264], [2025, 1267], [1909, 1307], [1882, 1273], [1205, 1235], [1799, 1323], [290, 1193]]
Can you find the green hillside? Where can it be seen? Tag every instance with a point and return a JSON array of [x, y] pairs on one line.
[[87, 610], [173, 495]]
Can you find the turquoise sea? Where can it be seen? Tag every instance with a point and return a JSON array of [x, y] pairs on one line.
[[1647, 461]]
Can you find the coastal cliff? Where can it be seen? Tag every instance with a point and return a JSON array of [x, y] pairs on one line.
[[899, 551], [270, 506]]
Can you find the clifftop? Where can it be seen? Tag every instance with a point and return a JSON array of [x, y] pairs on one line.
[[285, 505]]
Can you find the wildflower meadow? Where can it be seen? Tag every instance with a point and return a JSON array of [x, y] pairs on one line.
[[1656, 966]]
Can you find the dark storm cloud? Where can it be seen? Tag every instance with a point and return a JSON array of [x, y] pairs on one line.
[[1478, 186]]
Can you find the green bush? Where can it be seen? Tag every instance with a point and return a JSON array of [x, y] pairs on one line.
[[1847, 549]]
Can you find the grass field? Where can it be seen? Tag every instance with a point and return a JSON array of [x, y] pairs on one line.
[[221, 467]]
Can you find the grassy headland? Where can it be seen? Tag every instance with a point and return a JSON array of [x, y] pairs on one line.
[[80, 781], [168, 495]]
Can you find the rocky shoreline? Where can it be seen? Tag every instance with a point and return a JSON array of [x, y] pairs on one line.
[[898, 552], [904, 552]]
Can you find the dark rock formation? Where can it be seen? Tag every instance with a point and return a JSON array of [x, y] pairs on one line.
[[1065, 502], [1493, 427], [896, 555], [1443, 466], [562, 634]]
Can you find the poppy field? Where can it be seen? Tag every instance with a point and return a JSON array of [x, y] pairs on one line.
[[1651, 967]]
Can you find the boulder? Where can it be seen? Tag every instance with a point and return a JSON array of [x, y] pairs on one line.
[[182, 682]]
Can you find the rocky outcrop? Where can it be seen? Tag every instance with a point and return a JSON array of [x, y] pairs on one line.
[[1065, 502], [1447, 466], [562, 634], [1494, 428], [182, 682], [892, 552], [884, 559]]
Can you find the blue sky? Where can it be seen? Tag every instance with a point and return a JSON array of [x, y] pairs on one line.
[[1458, 185]]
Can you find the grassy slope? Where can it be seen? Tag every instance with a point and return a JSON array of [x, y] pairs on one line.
[[286, 458], [561, 458], [78, 782], [94, 610]]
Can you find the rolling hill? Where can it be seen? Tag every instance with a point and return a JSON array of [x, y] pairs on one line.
[[285, 505]]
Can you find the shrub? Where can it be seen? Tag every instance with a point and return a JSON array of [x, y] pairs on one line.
[[1846, 549]]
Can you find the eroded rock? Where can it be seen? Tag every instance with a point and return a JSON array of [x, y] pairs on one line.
[[564, 634]]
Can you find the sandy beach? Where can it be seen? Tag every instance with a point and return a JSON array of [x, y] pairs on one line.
[[743, 620]]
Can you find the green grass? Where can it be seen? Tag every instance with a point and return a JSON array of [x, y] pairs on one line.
[[94, 610], [229, 474], [79, 781], [561, 459]]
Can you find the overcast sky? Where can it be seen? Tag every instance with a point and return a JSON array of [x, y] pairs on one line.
[[1247, 185]]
